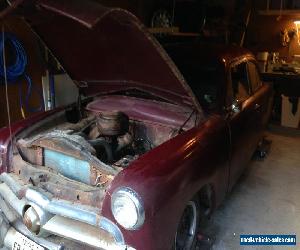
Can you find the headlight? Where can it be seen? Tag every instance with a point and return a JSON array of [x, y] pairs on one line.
[[127, 208]]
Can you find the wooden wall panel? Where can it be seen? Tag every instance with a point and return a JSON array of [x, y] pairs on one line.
[[34, 70], [264, 32]]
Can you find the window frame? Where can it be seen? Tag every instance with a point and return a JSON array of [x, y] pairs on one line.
[[230, 95], [253, 91]]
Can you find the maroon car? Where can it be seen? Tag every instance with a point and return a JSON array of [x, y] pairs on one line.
[[150, 149]]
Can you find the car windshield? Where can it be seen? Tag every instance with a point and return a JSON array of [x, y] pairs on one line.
[[204, 83]]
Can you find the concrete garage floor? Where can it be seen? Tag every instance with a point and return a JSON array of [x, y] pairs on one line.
[[266, 200]]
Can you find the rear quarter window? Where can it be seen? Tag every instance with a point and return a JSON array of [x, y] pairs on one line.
[[254, 76]]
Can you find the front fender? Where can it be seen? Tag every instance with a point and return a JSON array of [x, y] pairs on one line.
[[167, 177], [8, 135]]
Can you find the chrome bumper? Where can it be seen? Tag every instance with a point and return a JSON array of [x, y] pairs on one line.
[[78, 224]]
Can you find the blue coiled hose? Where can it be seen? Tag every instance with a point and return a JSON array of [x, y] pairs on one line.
[[17, 70]]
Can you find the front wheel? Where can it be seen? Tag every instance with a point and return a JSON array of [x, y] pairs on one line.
[[186, 234]]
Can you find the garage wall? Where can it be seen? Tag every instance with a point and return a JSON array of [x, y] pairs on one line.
[[66, 91], [34, 70], [264, 32]]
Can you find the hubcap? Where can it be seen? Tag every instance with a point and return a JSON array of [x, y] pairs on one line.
[[186, 231]]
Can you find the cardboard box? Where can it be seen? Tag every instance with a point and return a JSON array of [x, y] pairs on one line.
[[288, 119]]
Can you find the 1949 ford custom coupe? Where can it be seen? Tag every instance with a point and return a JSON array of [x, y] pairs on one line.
[[162, 135]]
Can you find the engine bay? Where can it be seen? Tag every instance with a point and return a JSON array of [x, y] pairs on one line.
[[74, 160], [109, 140]]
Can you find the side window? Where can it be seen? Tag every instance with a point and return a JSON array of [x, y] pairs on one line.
[[240, 83], [254, 76]]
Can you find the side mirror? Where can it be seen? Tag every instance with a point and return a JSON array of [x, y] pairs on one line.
[[235, 106]]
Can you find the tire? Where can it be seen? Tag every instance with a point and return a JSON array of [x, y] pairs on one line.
[[186, 235]]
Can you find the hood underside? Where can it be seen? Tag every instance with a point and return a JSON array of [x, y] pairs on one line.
[[106, 50]]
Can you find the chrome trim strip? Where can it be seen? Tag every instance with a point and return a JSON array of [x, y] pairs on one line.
[[9, 235], [75, 213], [9, 192], [20, 227], [9, 181], [87, 234], [11, 199]]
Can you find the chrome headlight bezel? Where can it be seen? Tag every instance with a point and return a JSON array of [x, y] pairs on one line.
[[136, 201]]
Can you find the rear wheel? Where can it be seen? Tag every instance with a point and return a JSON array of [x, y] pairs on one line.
[[186, 234]]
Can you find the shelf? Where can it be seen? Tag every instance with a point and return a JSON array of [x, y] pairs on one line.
[[164, 30], [278, 12], [172, 31]]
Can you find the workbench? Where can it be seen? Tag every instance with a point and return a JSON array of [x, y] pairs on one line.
[[285, 83]]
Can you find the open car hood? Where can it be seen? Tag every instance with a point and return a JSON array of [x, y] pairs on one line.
[[106, 50]]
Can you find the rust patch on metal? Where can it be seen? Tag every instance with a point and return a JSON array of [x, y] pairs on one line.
[[57, 185]]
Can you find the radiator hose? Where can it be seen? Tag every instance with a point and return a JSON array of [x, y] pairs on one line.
[[17, 70]]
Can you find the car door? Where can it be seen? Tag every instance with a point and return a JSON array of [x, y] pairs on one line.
[[242, 119]]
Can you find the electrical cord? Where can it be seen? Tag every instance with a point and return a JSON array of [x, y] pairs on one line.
[[16, 70]]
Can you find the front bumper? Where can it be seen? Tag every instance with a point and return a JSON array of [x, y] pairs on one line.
[[62, 224]]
